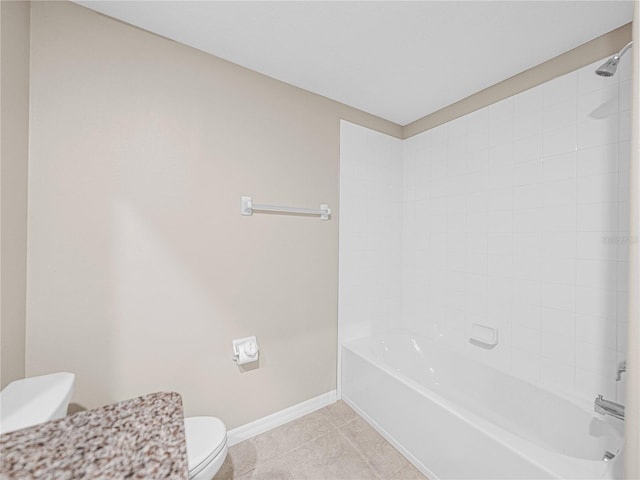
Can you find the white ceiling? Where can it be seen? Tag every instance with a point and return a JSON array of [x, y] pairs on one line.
[[398, 60]]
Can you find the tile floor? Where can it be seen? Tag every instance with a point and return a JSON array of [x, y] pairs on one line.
[[332, 443]]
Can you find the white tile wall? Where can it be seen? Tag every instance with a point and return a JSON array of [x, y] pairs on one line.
[[545, 216], [370, 229], [514, 216]]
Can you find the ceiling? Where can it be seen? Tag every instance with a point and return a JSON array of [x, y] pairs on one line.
[[397, 60]]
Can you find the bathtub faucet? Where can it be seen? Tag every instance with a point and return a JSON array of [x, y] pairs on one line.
[[622, 367], [607, 407]]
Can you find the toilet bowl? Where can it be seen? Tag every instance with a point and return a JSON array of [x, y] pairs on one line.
[[206, 439]]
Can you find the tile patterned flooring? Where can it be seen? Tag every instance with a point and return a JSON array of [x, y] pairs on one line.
[[332, 443]]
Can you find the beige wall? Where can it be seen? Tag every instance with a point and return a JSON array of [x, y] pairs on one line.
[[141, 268], [632, 402], [14, 128], [567, 62]]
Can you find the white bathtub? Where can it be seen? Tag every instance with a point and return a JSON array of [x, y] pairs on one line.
[[454, 418]]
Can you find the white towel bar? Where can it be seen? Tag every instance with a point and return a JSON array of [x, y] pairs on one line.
[[247, 207]]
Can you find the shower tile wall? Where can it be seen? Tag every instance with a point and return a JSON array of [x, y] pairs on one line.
[[370, 231], [515, 216]]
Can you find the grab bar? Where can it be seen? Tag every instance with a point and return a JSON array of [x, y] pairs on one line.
[[247, 207]]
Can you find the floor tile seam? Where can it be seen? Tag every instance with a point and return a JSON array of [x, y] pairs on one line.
[[312, 439], [377, 476], [291, 472], [324, 417], [363, 455], [325, 434], [272, 460], [331, 424], [331, 428], [357, 417], [303, 444], [352, 443], [333, 420], [375, 472], [336, 427], [251, 469], [242, 472], [369, 462], [406, 467], [343, 423]]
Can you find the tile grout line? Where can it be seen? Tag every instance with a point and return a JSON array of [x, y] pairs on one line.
[[358, 451], [363, 455], [335, 424], [331, 429]]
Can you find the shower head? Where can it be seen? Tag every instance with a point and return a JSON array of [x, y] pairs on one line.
[[608, 68]]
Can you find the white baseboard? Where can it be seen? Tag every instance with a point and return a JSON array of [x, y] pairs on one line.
[[264, 424]]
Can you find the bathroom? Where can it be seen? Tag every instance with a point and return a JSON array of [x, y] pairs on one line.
[[132, 253]]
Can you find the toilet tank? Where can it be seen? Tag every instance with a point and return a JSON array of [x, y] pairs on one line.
[[35, 400]]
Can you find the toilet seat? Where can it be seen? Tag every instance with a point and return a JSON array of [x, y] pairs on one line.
[[206, 439]]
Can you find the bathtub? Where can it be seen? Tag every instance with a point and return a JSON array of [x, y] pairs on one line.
[[455, 418]]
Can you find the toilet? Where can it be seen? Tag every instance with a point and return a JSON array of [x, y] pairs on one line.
[[34, 400], [206, 439], [30, 401]]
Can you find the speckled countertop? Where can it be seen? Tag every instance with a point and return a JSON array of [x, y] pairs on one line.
[[138, 438]]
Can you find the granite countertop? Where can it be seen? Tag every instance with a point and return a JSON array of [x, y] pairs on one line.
[[138, 438]]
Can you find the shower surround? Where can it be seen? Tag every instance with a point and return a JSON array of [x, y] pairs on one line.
[[514, 217]]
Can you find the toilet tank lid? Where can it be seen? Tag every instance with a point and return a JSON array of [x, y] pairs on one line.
[[33, 400]]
